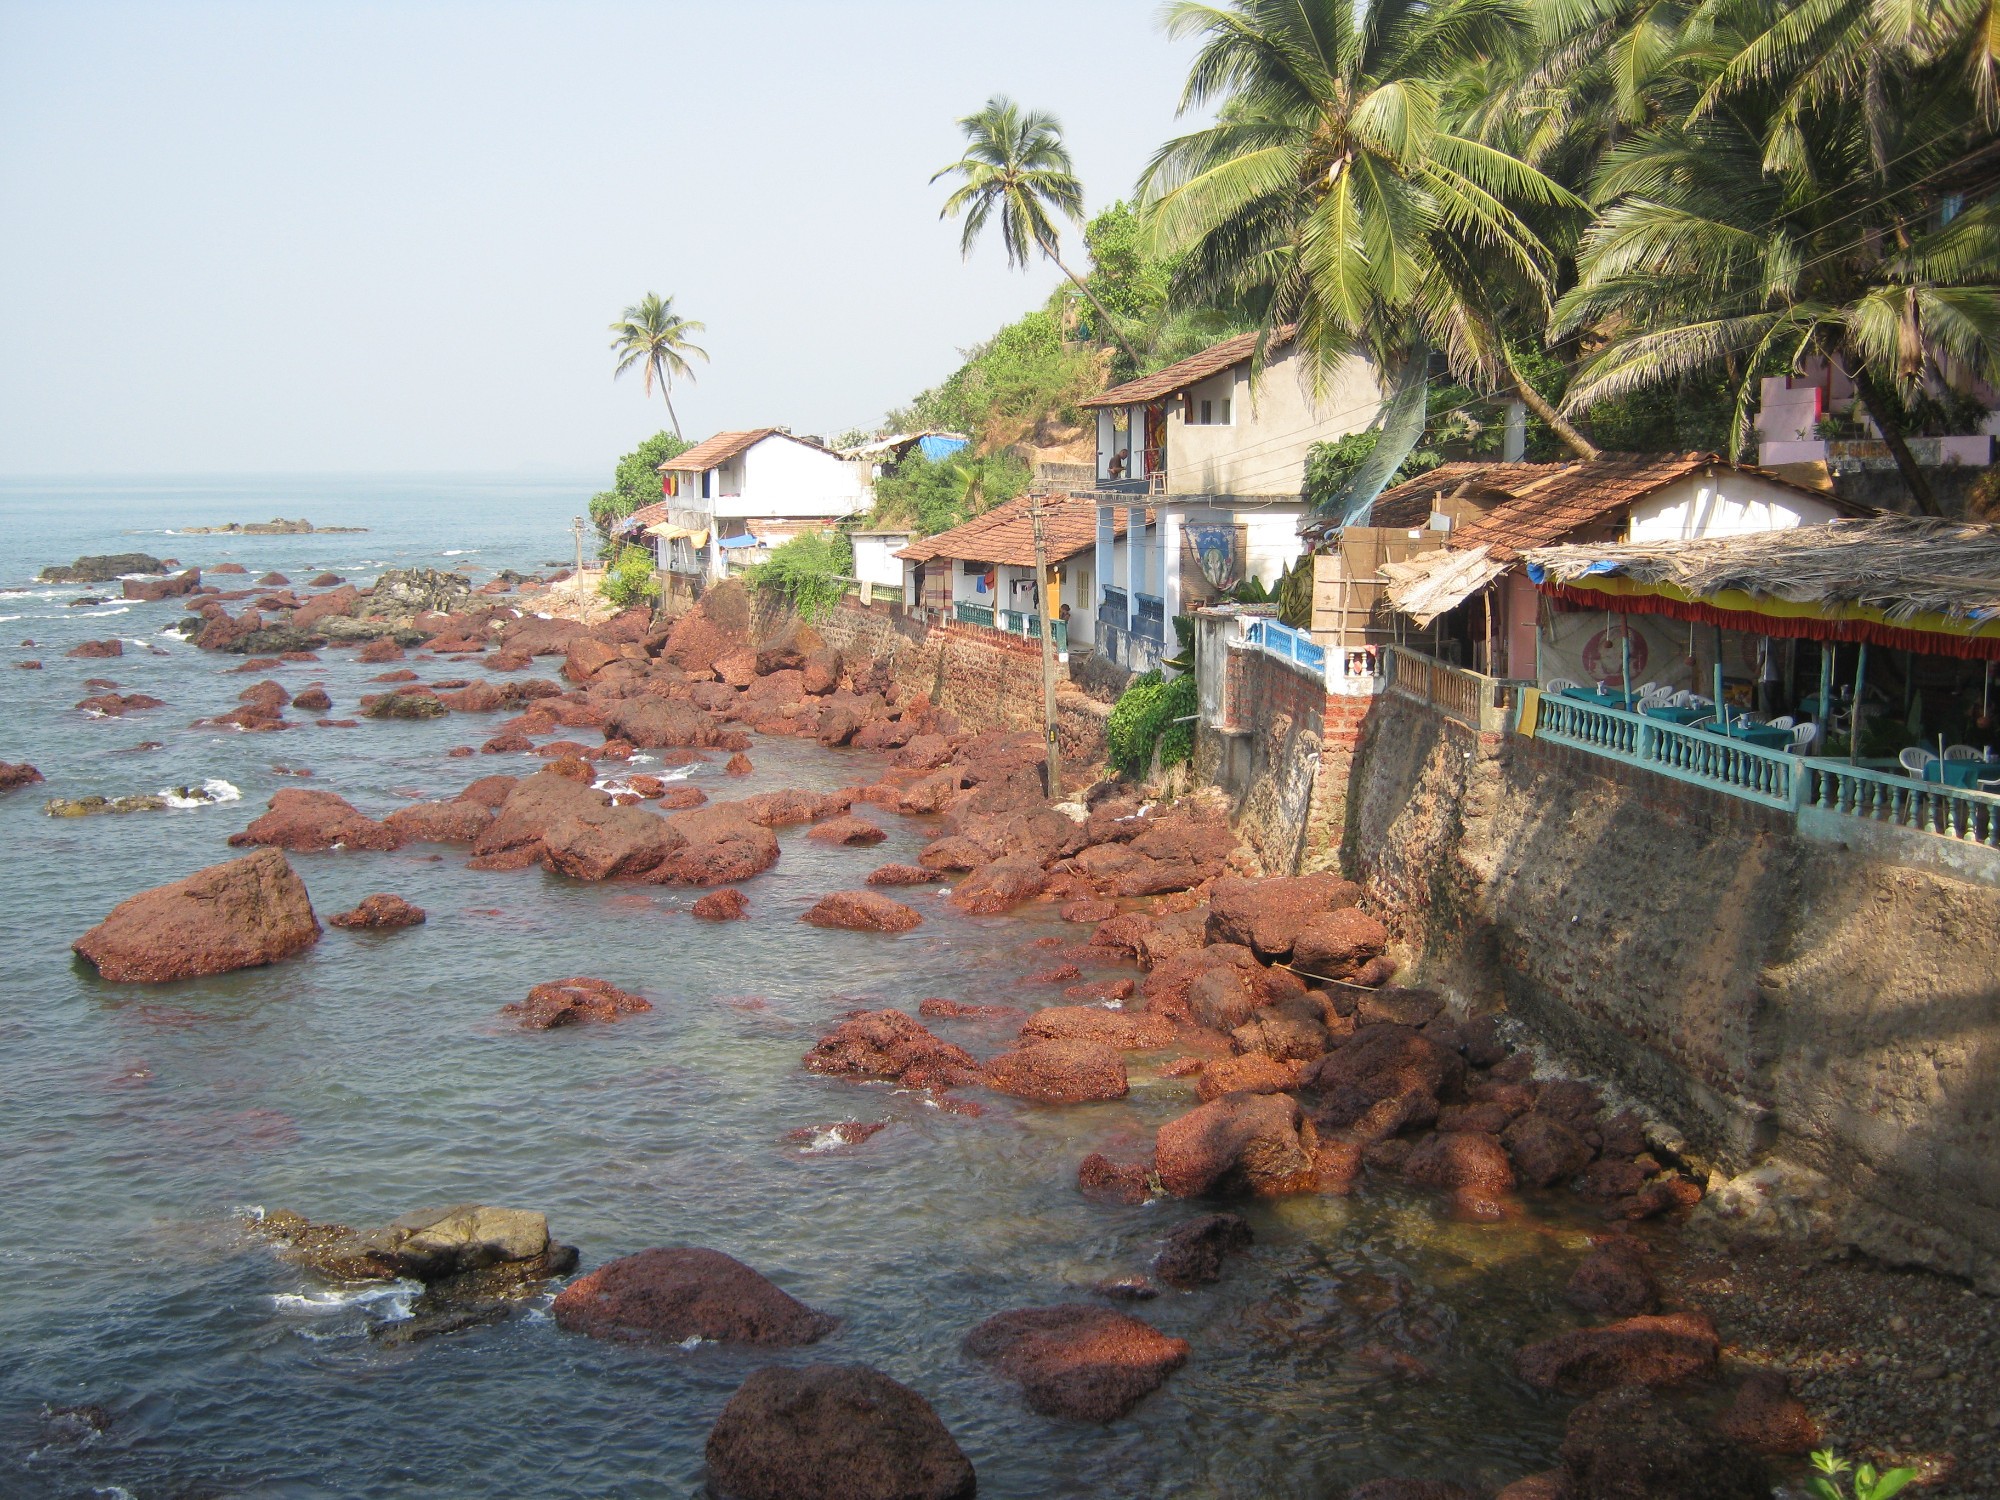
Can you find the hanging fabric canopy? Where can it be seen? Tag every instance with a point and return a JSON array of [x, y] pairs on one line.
[[697, 537], [1915, 583]]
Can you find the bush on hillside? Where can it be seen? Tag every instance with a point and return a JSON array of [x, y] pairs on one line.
[[812, 571], [631, 578], [932, 497], [636, 483], [1145, 716]]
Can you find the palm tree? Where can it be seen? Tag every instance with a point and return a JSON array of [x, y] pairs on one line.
[[652, 337], [1016, 163], [1337, 183], [1800, 211]]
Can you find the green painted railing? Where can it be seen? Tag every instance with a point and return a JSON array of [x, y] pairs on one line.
[[972, 614], [1013, 621], [1769, 777], [1885, 797]]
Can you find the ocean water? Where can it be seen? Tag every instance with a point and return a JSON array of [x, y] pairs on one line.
[[373, 1076]]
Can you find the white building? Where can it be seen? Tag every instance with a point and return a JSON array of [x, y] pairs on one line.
[[731, 498], [1217, 449], [983, 572], [877, 565]]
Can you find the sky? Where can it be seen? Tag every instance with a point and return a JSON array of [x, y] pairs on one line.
[[324, 236]]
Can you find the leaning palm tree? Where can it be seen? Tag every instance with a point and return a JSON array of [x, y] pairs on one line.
[[1015, 164], [655, 340], [1337, 184], [1802, 217]]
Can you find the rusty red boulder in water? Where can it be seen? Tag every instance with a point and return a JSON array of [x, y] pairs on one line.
[[1468, 1163], [380, 911], [837, 1432], [1059, 1072], [849, 831], [19, 774], [238, 915], [308, 821], [1000, 886], [460, 821], [1612, 1281], [1194, 1251], [1240, 1143], [722, 906], [1100, 1178], [900, 875], [1767, 1418], [890, 1044], [1631, 1445], [670, 1296], [1670, 1349], [564, 1002], [862, 911], [1079, 1362], [1267, 915]]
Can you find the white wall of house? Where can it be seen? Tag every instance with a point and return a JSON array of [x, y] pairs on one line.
[[780, 476], [1261, 449], [1727, 503], [875, 559]]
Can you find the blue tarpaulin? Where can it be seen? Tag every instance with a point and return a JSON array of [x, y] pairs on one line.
[[936, 448], [746, 540]]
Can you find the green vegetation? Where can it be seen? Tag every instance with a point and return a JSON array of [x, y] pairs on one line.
[[631, 578], [1867, 1483], [812, 570], [636, 483], [1144, 717], [931, 497], [652, 338], [1019, 383]]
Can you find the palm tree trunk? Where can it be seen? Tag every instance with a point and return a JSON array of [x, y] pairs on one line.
[[1102, 311], [1573, 440], [667, 395], [1892, 434]]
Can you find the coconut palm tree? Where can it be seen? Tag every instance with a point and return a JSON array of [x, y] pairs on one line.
[[653, 338], [1796, 214], [1015, 165], [1337, 183]]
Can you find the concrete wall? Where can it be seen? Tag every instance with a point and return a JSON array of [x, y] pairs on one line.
[[1835, 1005], [875, 559], [1724, 504], [783, 477], [1262, 450]]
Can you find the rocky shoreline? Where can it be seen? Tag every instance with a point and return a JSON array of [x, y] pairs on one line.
[[1312, 1071]]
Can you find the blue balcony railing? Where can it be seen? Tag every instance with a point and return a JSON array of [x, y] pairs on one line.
[[1282, 641], [1149, 619], [1114, 610]]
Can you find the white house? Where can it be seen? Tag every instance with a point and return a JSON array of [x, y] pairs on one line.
[[1217, 449], [731, 498], [876, 562], [983, 572]]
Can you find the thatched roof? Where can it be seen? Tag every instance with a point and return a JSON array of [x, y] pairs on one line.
[[1901, 580]]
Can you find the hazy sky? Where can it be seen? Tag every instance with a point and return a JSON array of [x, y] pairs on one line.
[[327, 235]]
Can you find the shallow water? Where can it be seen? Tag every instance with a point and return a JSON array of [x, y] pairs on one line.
[[373, 1076]]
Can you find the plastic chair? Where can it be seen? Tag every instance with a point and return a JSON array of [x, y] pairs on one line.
[[1562, 685], [1784, 721], [1647, 689], [1962, 752], [1914, 758], [1804, 736], [1747, 717]]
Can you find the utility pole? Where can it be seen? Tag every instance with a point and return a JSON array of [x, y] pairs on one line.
[[576, 527], [1048, 611]]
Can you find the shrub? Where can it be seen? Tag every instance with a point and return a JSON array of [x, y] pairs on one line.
[[812, 571], [631, 578], [1144, 717], [636, 483]]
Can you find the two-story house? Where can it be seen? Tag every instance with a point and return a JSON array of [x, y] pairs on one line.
[[731, 498], [1215, 447]]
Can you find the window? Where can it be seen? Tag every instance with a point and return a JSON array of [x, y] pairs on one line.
[[1207, 412], [707, 492]]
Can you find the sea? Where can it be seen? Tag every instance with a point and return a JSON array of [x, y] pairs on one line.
[[153, 1348]]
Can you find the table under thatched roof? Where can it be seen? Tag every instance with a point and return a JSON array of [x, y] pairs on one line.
[[1914, 582]]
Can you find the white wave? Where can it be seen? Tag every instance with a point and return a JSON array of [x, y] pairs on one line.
[[114, 1492], [458, 552], [390, 1300], [214, 790], [172, 632], [678, 773], [695, 1342], [116, 609], [4, 619], [826, 1138]]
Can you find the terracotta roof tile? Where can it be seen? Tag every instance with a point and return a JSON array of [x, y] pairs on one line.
[[645, 515], [717, 450], [1534, 505], [1196, 367], [1006, 533]]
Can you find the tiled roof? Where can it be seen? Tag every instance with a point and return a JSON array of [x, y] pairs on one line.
[[1006, 533], [1534, 505], [645, 515], [713, 452], [1196, 367]]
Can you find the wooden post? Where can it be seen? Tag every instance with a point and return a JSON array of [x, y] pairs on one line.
[[576, 526], [1048, 652]]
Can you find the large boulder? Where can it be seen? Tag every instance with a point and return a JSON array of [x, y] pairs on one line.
[[1059, 1072], [1544, 1149], [500, 1249], [533, 805], [308, 822], [655, 723], [459, 821], [1249, 1073], [1471, 1165], [1128, 1031], [670, 1296], [1383, 1079], [1340, 944], [1078, 1362], [1291, 1030], [836, 1432], [862, 911], [341, 601], [102, 568], [1240, 1143], [1266, 915], [890, 1044], [722, 847], [603, 842], [238, 915], [1665, 1350], [1630, 1445], [1000, 886]]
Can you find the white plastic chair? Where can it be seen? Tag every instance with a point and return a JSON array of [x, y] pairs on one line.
[[1561, 685], [1784, 721], [1962, 752], [1914, 758], [1747, 717], [1647, 689], [1804, 736]]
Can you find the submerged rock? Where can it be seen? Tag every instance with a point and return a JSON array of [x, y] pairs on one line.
[[1630, 1445], [380, 911], [1079, 1362], [835, 1432], [88, 807], [1194, 1251], [670, 1296], [238, 915], [1060, 1071], [1670, 1349], [564, 1002], [890, 1044], [726, 905], [17, 774]]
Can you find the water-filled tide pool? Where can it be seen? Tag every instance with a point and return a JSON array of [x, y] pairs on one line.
[[374, 1075]]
